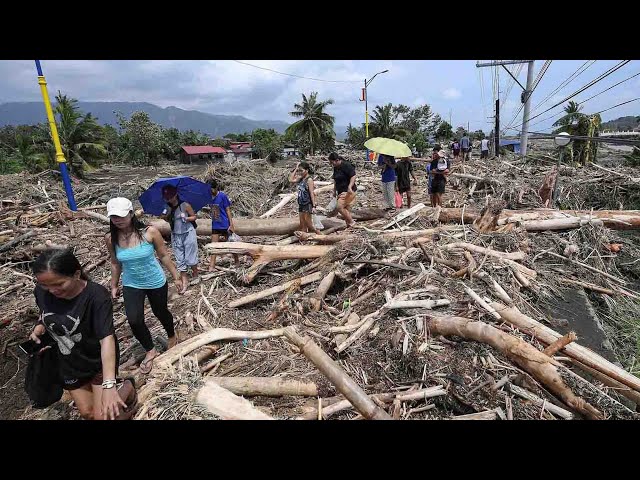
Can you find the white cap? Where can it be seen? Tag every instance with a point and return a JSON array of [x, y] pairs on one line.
[[119, 207]]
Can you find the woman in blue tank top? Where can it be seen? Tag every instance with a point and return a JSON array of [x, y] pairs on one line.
[[133, 248]]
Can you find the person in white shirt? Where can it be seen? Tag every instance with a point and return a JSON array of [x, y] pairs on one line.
[[484, 148]]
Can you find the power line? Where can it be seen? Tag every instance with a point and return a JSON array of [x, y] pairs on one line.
[[588, 85], [536, 82], [607, 89], [597, 113], [566, 82], [591, 97], [297, 76], [611, 108]]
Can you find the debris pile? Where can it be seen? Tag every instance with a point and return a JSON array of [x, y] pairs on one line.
[[447, 313]]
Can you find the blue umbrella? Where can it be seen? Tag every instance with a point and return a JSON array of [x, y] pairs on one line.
[[197, 193]]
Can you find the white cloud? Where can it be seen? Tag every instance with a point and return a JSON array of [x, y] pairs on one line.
[[451, 93]]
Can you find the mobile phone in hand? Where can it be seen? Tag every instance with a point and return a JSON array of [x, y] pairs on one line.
[[30, 347]]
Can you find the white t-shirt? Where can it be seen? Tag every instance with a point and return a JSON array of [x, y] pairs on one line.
[[484, 144]]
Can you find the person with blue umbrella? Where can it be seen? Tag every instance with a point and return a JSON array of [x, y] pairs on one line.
[[182, 219], [176, 200]]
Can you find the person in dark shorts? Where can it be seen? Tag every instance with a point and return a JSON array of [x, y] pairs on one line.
[[78, 314], [439, 170], [404, 170], [455, 148], [221, 220], [344, 187], [465, 145], [306, 196]]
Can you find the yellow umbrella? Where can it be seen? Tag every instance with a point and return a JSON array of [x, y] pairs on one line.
[[387, 146]]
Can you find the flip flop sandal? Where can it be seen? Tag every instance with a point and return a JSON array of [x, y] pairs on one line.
[[143, 365]]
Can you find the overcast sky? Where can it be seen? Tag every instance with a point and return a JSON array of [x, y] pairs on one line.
[[451, 87]]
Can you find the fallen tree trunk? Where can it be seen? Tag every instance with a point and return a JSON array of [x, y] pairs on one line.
[[12, 243], [485, 251], [343, 382], [313, 237], [614, 219], [254, 297], [543, 368], [224, 404], [250, 227], [321, 291], [266, 386], [582, 354], [214, 335], [264, 254]]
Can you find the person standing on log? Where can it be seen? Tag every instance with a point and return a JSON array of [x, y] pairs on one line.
[[221, 221], [439, 170], [404, 170], [306, 196], [182, 219], [344, 177], [78, 315], [388, 178], [133, 248]]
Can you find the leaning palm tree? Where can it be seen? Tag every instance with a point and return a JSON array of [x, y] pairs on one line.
[[80, 135], [315, 126], [384, 123]]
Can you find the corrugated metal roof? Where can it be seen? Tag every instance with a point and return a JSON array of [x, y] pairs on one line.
[[201, 149]]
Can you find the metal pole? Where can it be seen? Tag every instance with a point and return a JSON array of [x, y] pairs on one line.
[[525, 116], [497, 132], [366, 116], [56, 139]]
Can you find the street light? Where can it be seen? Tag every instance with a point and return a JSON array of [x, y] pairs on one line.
[[366, 105], [562, 140]]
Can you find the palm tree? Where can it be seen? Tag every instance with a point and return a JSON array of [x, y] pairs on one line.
[[315, 126], [384, 123], [80, 135], [572, 114], [27, 154], [355, 136]]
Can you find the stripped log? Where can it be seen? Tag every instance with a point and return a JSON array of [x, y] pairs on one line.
[[543, 368], [264, 254], [321, 291], [485, 251], [343, 382], [527, 395], [224, 404], [582, 354], [266, 386], [352, 319], [254, 297]]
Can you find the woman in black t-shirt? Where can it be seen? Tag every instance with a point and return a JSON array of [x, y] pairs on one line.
[[77, 313]]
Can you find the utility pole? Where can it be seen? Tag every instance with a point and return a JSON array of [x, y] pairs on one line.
[[366, 106], [525, 96], [527, 104], [497, 131]]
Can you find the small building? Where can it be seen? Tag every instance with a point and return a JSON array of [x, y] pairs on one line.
[[290, 151], [241, 150], [191, 153]]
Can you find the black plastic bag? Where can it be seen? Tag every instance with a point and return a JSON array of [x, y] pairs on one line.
[[43, 381]]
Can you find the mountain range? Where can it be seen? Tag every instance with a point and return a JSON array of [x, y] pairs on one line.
[[216, 126]]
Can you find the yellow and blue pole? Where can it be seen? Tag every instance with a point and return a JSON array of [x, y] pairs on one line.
[[56, 140], [366, 116]]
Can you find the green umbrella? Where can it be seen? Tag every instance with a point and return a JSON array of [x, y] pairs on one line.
[[387, 146]]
